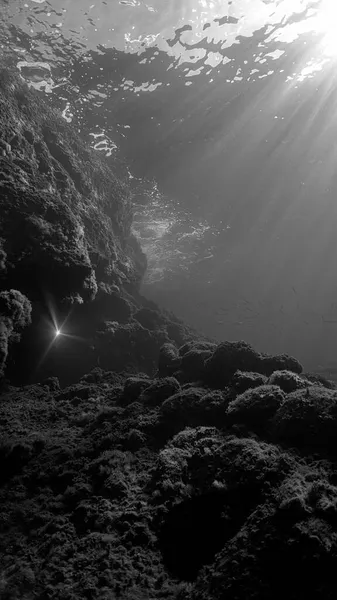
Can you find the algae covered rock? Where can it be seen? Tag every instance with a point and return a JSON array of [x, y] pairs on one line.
[[244, 380], [160, 390], [229, 357], [256, 406], [287, 381], [169, 360], [308, 419], [15, 315]]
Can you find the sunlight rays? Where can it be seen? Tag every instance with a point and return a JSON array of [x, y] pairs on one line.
[[325, 23]]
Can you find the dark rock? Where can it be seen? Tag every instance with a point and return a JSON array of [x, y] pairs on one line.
[[229, 357], [52, 383], [15, 315], [133, 388], [169, 360], [308, 419], [244, 380], [256, 406], [199, 345], [317, 379], [280, 362], [135, 440], [183, 409], [111, 305], [159, 390], [193, 363], [148, 318], [287, 381]]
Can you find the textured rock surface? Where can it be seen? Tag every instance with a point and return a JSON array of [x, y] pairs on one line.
[[66, 244], [134, 487]]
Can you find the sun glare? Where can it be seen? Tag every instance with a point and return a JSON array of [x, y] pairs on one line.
[[57, 332], [325, 19]]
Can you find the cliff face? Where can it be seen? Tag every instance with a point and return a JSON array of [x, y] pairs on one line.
[[66, 245], [65, 218]]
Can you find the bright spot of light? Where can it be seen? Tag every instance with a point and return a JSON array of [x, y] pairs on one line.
[[325, 23], [57, 332]]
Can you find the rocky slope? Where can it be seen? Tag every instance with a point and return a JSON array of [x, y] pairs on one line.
[[66, 246], [137, 460]]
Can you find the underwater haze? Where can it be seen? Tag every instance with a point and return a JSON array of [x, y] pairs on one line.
[[222, 115]]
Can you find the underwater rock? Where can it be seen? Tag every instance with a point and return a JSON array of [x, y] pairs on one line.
[[256, 406], [15, 315], [169, 360], [66, 244], [244, 380], [228, 357], [287, 381], [308, 419], [159, 390]]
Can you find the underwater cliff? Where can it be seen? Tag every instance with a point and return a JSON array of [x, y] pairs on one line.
[[66, 245], [138, 460]]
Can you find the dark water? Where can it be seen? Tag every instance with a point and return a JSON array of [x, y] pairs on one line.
[[223, 115]]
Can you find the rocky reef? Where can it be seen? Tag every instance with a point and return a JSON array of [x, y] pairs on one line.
[[139, 460], [66, 246]]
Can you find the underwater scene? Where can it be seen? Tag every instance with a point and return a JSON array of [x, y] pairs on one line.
[[168, 299], [223, 114]]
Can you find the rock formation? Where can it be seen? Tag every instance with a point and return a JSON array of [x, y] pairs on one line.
[[138, 460], [66, 245]]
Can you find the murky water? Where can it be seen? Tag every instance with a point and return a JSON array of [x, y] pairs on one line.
[[223, 117]]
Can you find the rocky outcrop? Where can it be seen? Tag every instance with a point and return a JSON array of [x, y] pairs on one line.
[[15, 315], [143, 487], [66, 244]]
